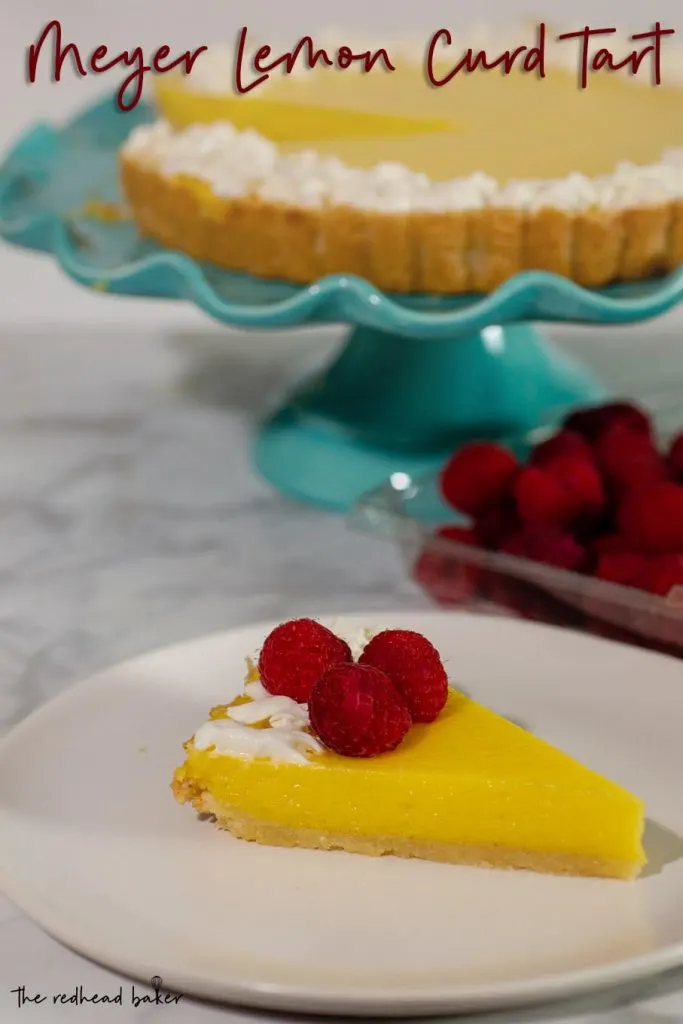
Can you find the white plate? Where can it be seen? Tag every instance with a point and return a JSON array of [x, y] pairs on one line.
[[93, 847]]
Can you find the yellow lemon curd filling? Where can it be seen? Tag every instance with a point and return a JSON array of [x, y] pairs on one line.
[[508, 126], [471, 787]]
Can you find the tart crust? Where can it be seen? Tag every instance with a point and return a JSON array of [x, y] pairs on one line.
[[447, 253]]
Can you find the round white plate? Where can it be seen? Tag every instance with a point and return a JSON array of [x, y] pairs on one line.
[[94, 848]]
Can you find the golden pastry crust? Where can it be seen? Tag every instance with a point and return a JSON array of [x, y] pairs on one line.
[[445, 253]]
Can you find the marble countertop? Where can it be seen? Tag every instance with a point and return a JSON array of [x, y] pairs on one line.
[[130, 517]]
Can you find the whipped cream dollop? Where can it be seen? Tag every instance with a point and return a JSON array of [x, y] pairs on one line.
[[285, 738], [284, 735], [355, 638], [243, 163]]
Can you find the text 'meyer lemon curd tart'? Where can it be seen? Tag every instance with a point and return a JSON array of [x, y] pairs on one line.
[[377, 754], [415, 188]]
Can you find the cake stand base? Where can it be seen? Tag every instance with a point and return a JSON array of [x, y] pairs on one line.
[[393, 404]]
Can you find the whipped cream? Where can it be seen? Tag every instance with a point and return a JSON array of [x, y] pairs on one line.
[[286, 737], [235, 164], [355, 638]]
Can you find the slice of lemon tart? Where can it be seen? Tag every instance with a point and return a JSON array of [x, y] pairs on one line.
[[386, 758], [421, 189]]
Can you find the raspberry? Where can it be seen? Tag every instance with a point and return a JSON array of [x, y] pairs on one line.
[[548, 545], [458, 534], [674, 458], [296, 654], [608, 544], [477, 477], [566, 442], [662, 574], [357, 711], [564, 492], [443, 574], [493, 527], [592, 423], [652, 520], [414, 667], [626, 568], [540, 498], [628, 460]]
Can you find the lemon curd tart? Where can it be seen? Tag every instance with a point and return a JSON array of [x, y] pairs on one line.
[[469, 787], [418, 189]]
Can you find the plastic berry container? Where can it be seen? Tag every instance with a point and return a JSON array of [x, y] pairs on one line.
[[409, 512]]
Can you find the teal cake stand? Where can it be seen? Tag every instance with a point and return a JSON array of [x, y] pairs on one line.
[[418, 375]]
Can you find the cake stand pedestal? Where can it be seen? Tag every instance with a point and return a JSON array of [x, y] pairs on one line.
[[394, 404], [418, 374]]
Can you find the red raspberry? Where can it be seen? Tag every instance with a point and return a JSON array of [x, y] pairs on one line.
[[674, 458], [443, 574], [493, 527], [458, 534], [414, 667], [357, 711], [626, 568], [540, 498], [296, 654], [608, 544], [662, 574], [477, 477], [566, 442], [592, 423], [628, 460], [583, 485], [549, 546], [564, 492], [652, 520]]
